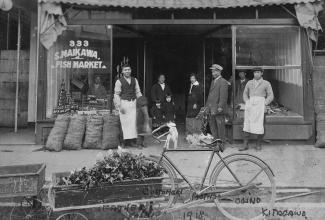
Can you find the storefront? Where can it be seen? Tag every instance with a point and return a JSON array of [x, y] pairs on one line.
[[18, 27], [174, 38]]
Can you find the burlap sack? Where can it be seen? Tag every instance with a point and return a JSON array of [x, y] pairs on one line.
[[111, 132], [94, 129], [57, 134], [75, 134]]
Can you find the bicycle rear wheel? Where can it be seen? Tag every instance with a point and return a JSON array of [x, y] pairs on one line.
[[243, 170]]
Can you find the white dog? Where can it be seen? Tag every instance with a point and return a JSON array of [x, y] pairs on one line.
[[172, 136]]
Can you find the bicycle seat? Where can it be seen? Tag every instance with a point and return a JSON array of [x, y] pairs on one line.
[[217, 144]]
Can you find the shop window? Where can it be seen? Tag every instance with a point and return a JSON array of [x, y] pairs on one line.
[[277, 50], [79, 70]]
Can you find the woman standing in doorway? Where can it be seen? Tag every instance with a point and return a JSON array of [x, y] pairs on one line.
[[195, 97], [194, 104]]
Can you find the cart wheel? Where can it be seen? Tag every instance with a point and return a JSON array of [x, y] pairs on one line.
[[28, 209], [72, 215]]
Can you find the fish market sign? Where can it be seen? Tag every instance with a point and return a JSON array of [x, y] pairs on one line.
[[78, 56]]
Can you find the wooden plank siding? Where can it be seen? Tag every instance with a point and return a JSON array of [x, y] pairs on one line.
[[8, 62]]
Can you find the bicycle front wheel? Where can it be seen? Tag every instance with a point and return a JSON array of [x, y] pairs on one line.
[[256, 181], [164, 194]]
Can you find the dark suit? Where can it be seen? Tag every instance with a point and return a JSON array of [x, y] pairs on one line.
[[157, 93], [239, 91], [218, 96]]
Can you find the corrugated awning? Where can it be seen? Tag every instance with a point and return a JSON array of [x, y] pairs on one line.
[[179, 4]]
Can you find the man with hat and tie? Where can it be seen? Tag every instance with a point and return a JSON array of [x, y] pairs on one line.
[[257, 95], [217, 103]]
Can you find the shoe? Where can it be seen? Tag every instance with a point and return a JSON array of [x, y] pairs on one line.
[[258, 144], [245, 146], [267, 141], [133, 144], [258, 147]]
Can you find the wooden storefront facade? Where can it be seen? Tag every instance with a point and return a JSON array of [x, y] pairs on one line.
[[178, 41]]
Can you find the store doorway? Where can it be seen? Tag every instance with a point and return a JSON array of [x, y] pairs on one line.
[[176, 57]]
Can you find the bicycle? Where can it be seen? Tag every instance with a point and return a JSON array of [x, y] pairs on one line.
[[240, 185]]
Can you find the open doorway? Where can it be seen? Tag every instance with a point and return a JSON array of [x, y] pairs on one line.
[[176, 57]]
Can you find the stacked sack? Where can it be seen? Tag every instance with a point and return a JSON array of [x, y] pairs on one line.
[[111, 131], [94, 130], [89, 132], [58, 133], [76, 131], [320, 128]]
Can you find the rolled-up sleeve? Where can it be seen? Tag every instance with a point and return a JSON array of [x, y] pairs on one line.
[[117, 93], [137, 89]]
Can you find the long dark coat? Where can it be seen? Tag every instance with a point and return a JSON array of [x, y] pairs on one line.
[[195, 97], [158, 117], [169, 111], [157, 93]]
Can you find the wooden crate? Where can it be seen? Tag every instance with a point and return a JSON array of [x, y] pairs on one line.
[[129, 190], [21, 180]]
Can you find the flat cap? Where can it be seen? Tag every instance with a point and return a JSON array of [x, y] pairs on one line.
[[216, 67], [257, 69]]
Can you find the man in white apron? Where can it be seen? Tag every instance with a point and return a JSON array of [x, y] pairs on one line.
[[126, 92], [257, 94]]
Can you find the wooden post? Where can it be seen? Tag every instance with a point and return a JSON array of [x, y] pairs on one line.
[[144, 66], [8, 29], [233, 37], [110, 27], [37, 62], [17, 70], [203, 49]]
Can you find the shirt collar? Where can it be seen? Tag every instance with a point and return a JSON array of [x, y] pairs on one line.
[[196, 83], [258, 81]]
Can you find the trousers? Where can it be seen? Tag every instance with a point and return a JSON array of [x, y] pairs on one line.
[[217, 126]]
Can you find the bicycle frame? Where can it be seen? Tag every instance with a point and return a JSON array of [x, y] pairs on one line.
[[213, 152]]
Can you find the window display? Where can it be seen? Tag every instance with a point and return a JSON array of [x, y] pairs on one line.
[[278, 51], [79, 70]]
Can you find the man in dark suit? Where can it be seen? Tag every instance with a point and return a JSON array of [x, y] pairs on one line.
[[160, 90], [217, 103], [240, 87]]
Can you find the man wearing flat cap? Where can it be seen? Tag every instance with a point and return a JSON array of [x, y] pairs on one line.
[[257, 95], [217, 102]]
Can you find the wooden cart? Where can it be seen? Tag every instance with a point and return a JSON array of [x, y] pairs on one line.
[[20, 185], [70, 200]]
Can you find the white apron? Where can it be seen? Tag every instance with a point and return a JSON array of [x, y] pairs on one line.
[[254, 115], [128, 119]]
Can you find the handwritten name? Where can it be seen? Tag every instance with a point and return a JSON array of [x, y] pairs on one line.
[[283, 213], [247, 200]]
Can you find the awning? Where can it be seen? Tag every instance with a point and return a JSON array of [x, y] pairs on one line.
[[179, 4]]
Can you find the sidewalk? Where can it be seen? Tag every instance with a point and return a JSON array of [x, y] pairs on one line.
[[293, 165]]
